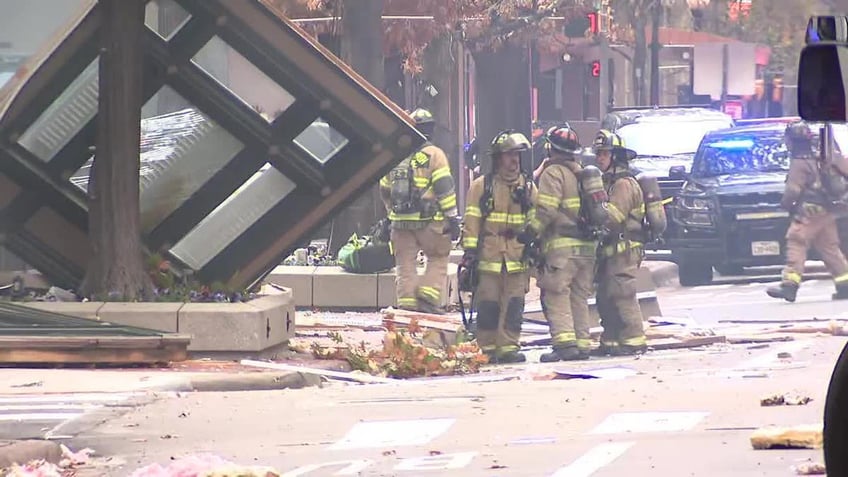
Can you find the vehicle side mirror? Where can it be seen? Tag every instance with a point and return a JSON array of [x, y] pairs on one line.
[[821, 82], [677, 173]]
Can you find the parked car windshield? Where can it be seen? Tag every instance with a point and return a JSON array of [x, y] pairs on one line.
[[742, 154], [668, 138]]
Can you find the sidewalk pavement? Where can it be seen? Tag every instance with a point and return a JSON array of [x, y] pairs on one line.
[[663, 273]]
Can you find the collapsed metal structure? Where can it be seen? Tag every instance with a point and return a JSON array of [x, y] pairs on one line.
[[241, 191], [264, 136]]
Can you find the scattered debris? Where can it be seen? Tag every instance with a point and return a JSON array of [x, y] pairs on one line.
[[41, 468], [72, 459], [389, 452], [206, 465], [799, 437], [28, 385], [784, 355], [785, 400], [352, 376], [615, 372], [809, 468]]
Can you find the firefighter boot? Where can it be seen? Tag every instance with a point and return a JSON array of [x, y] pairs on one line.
[[841, 293], [786, 291], [425, 306], [563, 353], [630, 350], [512, 357]]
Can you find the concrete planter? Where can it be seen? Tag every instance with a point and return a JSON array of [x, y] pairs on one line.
[[252, 326], [332, 287]]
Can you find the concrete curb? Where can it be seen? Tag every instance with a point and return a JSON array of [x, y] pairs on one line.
[[21, 452], [233, 382], [662, 273]]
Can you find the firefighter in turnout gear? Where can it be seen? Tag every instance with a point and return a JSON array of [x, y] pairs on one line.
[[621, 251], [567, 273], [499, 210], [813, 224], [420, 201]]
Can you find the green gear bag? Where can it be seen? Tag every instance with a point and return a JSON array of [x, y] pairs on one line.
[[362, 255]]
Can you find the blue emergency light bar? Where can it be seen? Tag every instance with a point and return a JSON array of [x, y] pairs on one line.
[[827, 28], [738, 144]]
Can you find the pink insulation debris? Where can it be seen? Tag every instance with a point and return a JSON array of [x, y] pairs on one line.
[[202, 465]]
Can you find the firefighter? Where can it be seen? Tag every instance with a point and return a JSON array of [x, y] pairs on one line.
[[567, 273], [496, 222], [813, 224], [420, 202], [621, 251]]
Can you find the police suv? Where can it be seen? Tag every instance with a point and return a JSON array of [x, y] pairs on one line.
[[728, 213]]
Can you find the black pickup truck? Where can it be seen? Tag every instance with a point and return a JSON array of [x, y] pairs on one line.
[[728, 213], [664, 137]]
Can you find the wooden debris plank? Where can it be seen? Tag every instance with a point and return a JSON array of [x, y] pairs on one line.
[[391, 312], [755, 339], [70, 342], [60, 355], [673, 343], [798, 437]]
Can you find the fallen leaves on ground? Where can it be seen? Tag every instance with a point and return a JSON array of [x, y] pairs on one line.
[[404, 354]]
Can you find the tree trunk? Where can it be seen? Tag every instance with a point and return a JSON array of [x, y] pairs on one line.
[[117, 270], [362, 49], [640, 61], [440, 71], [503, 95]]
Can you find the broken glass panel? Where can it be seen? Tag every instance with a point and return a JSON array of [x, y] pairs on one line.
[[321, 141], [180, 150], [247, 82], [259, 194], [165, 17], [65, 117]]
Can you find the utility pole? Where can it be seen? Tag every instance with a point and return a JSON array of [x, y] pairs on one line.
[[656, 13]]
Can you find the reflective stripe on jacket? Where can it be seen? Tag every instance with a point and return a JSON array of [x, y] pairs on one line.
[[496, 244]]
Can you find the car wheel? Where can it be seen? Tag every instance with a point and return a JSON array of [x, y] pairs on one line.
[[730, 270], [836, 418], [694, 273]]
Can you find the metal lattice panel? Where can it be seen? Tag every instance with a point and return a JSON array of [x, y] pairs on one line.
[[257, 136]]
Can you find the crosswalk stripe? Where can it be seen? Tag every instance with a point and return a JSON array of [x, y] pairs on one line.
[[44, 407], [66, 398], [40, 416]]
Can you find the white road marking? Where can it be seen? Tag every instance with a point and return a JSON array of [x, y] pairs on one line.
[[379, 434], [45, 407], [66, 398], [627, 422], [597, 458], [40, 416]]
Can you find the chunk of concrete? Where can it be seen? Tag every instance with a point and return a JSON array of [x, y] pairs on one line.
[[332, 287], [88, 310], [298, 278], [387, 290], [22, 452], [253, 326], [153, 316]]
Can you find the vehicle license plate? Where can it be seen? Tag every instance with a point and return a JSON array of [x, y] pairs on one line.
[[759, 249]]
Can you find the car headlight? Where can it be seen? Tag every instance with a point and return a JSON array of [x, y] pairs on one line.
[[696, 219], [693, 203]]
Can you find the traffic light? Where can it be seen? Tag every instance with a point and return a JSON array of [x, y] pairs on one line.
[[595, 69], [594, 22], [577, 26]]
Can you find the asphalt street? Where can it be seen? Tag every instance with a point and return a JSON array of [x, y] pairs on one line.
[[669, 413]]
